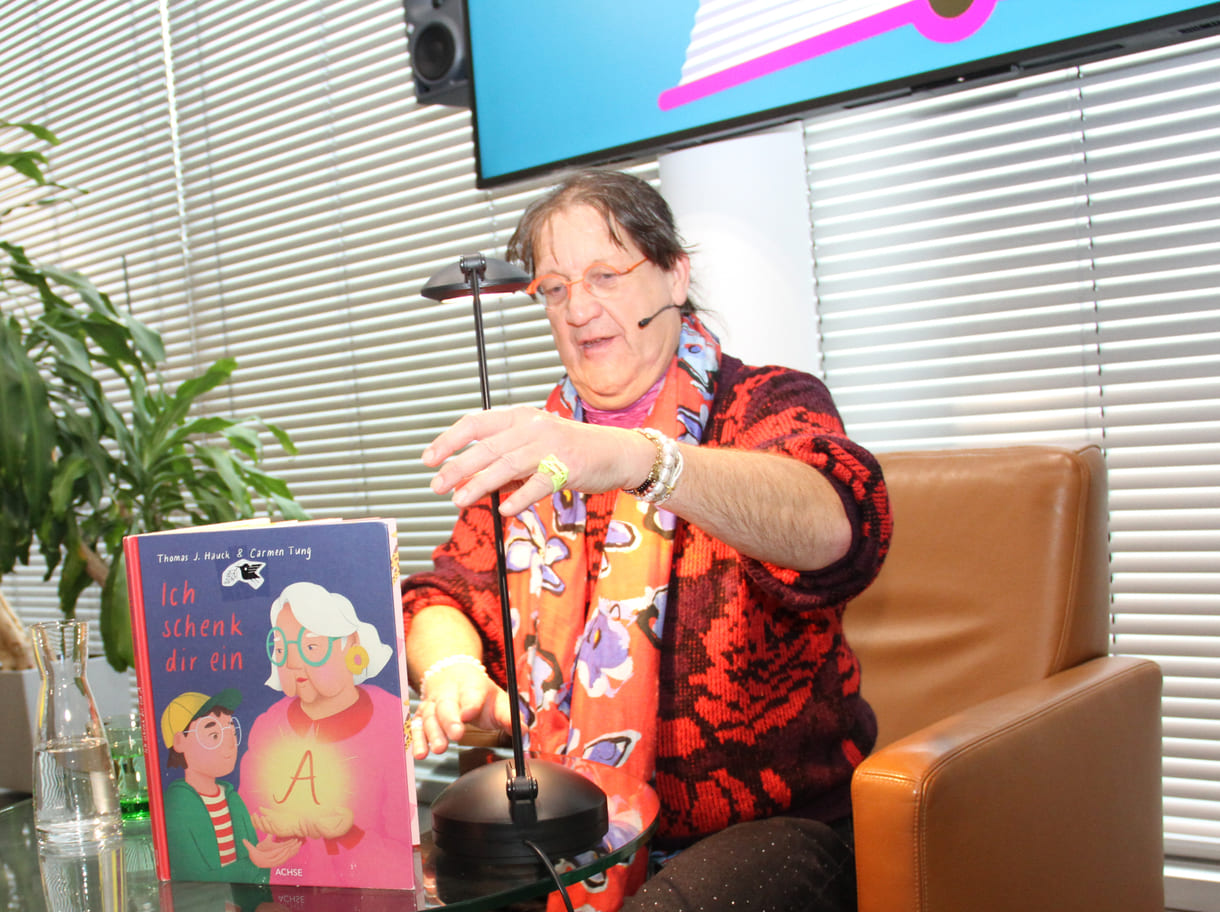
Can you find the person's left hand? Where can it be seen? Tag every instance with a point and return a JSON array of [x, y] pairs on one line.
[[503, 448]]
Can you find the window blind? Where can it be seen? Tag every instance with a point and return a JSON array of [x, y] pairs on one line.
[[93, 73], [288, 200], [319, 200], [1035, 261], [1155, 166]]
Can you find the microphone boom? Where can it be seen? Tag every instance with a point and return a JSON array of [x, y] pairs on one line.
[[644, 323]]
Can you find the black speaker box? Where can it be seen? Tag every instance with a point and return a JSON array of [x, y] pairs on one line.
[[440, 58]]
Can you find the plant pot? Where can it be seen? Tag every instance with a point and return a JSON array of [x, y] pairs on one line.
[[19, 715]]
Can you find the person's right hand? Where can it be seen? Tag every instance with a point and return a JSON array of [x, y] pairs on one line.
[[271, 852], [455, 697]]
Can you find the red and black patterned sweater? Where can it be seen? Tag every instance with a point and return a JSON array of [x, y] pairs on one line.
[[760, 706]]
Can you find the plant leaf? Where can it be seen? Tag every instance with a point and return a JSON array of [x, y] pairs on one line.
[[35, 130], [115, 618], [289, 507], [244, 438], [282, 436], [27, 439]]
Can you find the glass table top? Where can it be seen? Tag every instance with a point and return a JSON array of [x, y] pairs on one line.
[[120, 876]]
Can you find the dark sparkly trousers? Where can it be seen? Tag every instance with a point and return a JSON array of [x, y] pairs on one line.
[[776, 865]]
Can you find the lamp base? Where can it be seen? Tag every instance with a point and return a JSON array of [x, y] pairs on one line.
[[474, 818]]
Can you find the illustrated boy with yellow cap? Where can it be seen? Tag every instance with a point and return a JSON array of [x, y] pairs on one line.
[[210, 834]]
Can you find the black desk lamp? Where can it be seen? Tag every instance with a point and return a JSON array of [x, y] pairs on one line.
[[501, 813]]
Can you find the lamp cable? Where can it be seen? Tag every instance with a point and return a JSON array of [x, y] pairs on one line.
[[559, 885]]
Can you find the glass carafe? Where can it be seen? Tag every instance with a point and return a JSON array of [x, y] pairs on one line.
[[84, 878], [75, 798]]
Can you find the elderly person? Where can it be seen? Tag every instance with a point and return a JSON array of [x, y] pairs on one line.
[[312, 768], [683, 532]]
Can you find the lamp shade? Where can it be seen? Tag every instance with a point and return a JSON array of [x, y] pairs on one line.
[[495, 277]]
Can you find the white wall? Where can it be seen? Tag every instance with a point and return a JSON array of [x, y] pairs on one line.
[[743, 205]]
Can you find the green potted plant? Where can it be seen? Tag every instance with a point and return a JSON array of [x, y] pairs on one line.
[[85, 462]]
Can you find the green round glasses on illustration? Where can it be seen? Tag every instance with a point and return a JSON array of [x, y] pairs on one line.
[[599, 280], [210, 731], [313, 649]]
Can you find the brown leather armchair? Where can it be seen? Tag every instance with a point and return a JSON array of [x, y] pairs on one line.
[[1018, 765]]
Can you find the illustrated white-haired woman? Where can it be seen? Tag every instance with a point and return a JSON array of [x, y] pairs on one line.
[[307, 769], [334, 650]]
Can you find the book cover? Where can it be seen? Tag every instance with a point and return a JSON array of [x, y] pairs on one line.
[[273, 689]]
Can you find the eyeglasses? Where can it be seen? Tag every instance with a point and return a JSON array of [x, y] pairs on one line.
[[599, 280], [314, 649], [210, 731]]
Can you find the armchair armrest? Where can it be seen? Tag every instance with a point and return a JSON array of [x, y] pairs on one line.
[[1046, 798]]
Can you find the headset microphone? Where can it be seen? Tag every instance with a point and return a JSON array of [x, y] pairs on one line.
[[643, 323]]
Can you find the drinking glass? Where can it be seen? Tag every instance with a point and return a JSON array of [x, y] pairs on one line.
[[126, 740]]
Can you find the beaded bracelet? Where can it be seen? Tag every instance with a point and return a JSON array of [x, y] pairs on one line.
[[458, 658], [662, 478]]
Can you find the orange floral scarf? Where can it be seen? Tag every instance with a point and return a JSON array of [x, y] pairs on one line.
[[588, 614]]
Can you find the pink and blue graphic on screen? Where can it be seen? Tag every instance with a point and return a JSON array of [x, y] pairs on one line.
[[721, 55]]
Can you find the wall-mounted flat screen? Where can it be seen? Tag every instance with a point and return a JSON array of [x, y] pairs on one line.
[[560, 82]]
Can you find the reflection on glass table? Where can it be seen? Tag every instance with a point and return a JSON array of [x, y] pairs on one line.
[[119, 876]]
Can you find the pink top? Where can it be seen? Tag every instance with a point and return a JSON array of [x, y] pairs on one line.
[[630, 417], [335, 778]]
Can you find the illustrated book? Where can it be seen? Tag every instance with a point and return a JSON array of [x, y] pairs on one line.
[[273, 691]]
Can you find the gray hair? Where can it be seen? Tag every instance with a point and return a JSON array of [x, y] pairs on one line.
[[626, 203]]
